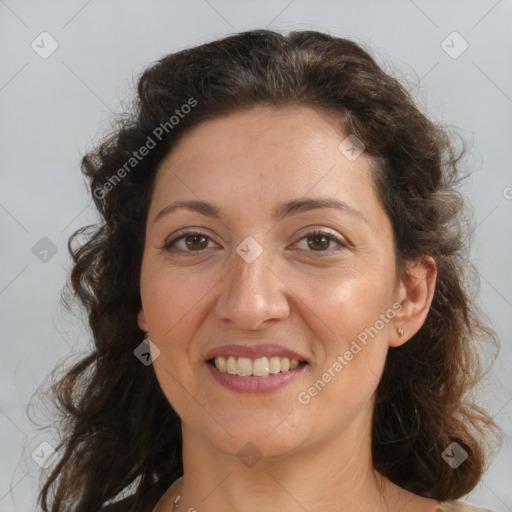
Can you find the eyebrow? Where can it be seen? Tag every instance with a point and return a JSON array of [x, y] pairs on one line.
[[279, 212]]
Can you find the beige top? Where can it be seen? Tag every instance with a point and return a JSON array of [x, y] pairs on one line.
[[460, 506], [154, 496], [456, 506]]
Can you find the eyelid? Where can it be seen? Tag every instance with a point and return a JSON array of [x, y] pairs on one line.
[[308, 230]]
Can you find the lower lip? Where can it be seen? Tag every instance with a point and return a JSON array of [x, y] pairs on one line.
[[255, 385]]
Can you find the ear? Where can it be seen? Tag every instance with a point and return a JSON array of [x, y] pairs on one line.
[[141, 320], [415, 297]]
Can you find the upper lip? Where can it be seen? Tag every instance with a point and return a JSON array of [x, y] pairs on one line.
[[253, 351]]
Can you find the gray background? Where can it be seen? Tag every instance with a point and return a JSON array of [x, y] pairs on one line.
[[52, 109]]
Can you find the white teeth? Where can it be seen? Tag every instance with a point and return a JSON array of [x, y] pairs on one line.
[[259, 367], [244, 366], [220, 362], [275, 365], [230, 365]]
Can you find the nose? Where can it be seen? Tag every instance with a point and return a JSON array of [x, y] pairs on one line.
[[252, 294]]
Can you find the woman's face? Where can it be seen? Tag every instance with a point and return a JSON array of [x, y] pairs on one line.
[[257, 282]]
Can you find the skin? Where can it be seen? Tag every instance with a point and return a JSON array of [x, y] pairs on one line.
[[314, 456]]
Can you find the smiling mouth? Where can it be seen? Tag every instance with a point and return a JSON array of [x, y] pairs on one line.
[[258, 367]]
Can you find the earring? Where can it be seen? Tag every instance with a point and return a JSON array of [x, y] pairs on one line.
[[146, 336], [400, 331]]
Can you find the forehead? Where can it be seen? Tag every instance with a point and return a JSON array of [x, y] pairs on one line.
[[289, 132], [264, 156]]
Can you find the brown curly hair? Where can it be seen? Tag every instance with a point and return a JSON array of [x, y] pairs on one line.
[[118, 429]]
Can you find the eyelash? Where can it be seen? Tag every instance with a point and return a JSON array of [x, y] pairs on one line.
[[317, 232]]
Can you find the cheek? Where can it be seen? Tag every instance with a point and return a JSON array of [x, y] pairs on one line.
[[348, 300], [350, 315], [356, 306], [170, 298], [172, 303], [352, 347]]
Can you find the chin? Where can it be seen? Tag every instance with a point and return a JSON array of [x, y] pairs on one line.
[[259, 437]]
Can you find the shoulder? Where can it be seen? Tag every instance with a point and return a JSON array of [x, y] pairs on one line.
[[123, 505], [459, 506], [119, 506], [148, 502]]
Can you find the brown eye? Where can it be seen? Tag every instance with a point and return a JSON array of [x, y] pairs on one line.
[[192, 241], [319, 242], [196, 242]]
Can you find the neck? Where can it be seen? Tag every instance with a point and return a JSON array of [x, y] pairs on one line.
[[336, 474]]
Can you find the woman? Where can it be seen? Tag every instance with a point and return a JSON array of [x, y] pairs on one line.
[[276, 294]]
